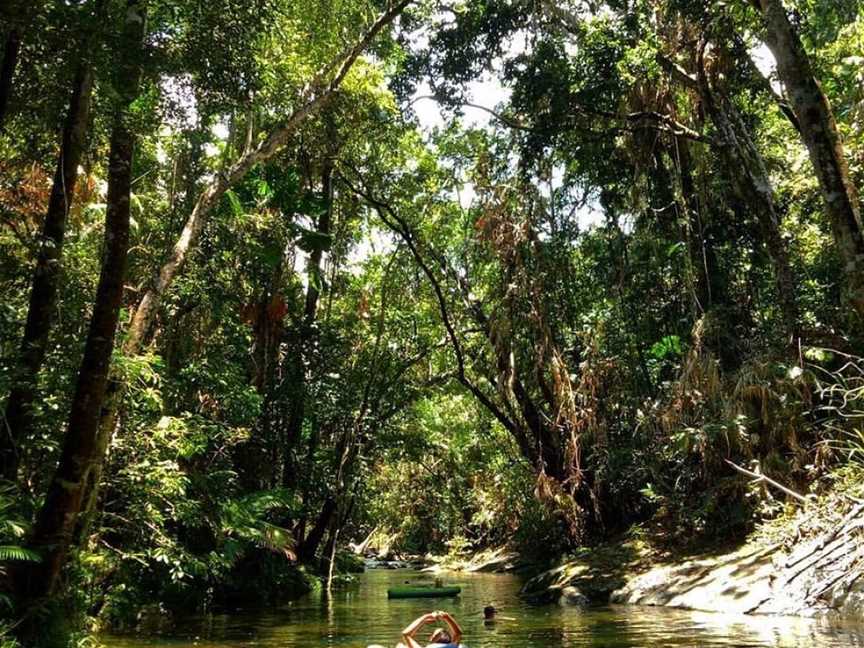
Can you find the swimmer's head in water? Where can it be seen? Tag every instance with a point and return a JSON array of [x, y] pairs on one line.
[[489, 611], [441, 636]]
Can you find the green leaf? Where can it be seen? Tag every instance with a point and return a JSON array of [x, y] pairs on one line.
[[669, 345], [271, 255], [674, 249], [11, 552], [234, 202], [263, 189], [311, 240], [312, 205], [316, 278]]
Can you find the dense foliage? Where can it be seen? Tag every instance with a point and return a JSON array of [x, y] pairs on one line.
[[281, 276]]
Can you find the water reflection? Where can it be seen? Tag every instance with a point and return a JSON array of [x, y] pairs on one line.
[[361, 614]]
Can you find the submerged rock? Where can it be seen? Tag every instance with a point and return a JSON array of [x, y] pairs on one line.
[[560, 586], [545, 587], [572, 597], [595, 572]]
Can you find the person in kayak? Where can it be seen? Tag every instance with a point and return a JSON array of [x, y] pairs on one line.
[[440, 638]]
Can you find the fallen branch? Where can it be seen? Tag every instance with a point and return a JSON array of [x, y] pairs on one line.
[[757, 477], [843, 526], [827, 584], [360, 549], [834, 552]]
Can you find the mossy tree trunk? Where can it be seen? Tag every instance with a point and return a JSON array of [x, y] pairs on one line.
[[824, 145]]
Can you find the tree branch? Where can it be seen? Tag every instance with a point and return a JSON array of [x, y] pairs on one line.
[[398, 225], [631, 122], [757, 477]]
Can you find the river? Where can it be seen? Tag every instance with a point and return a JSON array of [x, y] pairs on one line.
[[360, 614]]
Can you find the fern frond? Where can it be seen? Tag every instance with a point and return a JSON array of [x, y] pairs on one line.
[[11, 552]]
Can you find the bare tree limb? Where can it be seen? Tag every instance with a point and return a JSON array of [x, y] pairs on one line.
[[759, 477]]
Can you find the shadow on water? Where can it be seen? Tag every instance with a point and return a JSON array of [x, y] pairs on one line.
[[360, 614]]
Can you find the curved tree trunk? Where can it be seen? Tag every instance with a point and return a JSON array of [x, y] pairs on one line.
[[309, 546], [820, 135], [145, 313], [540, 440]]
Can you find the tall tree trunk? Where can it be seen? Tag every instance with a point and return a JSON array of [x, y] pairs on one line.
[[267, 332], [310, 544], [298, 377], [46, 276], [252, 460], [56, 520], [820, 135], [7, 70], [710, 288], [749, 176]]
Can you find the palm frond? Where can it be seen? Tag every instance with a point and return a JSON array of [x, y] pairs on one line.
[[11, 552]]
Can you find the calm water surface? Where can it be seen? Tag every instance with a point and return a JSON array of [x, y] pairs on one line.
[[360, 614]]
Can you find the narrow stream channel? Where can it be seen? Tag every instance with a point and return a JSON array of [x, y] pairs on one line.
[[360, 614]]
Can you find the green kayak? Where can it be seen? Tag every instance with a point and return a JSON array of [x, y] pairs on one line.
[[421, 591]]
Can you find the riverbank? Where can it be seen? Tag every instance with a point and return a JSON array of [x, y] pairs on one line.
[[808, 562]]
